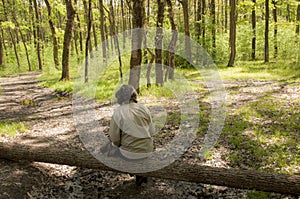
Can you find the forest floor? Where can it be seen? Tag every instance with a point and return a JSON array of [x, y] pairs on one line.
[[48, 113]]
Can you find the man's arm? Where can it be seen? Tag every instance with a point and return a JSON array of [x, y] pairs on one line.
[[115, 133]]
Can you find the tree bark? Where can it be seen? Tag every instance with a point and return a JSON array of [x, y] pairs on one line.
[[115, 37], [94, 31], [11, 35], [1, 52], [102, 30], [232, 32], [253, 21], [213, 29], [148, 73], [68, 153], [198, 20], [67, 41], [274, 2], [298, 19], [80, 33], [38, 34], [53, 32], [159, 78], [267, 15], [226, 15], [172, 45], [203, 24], [123, 24], [88, 41], [26, 49], [185, 7], [136, 42]]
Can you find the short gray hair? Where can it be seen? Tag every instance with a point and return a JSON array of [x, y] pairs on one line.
[[125, 94]]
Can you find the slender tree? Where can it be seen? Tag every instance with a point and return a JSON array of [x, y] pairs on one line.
[[38, 34], [67, 40], [53, 32], [198, 20], [253, 21], [12, 37], [158, 43], [274, 2], [102, 30], [172, 45], [213, 30], [23, 40], [115, 37], [1, 51], [136, 42], [267, 15], [298, 19], [203, 24], [94, 31], [232, 32], [185, 7], [88, 41]]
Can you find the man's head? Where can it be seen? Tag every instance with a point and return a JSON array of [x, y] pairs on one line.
[[126, 94]]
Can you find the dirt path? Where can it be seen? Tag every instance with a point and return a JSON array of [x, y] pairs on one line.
[[49, 114]]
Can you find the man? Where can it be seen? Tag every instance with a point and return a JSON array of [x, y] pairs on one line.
[[131, 128]]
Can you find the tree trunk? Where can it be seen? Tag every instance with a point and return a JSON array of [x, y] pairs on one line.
[[198, 20], [53, 32], [67, 41], [288, 11], [253, 21], [1, 52], [115, 37], [232, 32], [15, 47], [52, 150], [172, 45], [159, 80], [148, 73], [226, 15], [213, 29], [88, 41], [274, 2], [123, 24], [298, 20], [102, 31], [203, 24], [185, 7], [94, 31], [87, 18], [11, 35], [267, 15], [136, 42], [38, 34], [26, 50], [80, 33]]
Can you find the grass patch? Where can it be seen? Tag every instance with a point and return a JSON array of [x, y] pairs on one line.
[[263, 135], [51, 80], [12, 128], [257, 70], [257, 194]]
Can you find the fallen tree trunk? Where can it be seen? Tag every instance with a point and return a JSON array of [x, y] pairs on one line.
[[62, 152]]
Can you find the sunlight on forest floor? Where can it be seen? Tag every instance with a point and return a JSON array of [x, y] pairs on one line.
[[261, 130]]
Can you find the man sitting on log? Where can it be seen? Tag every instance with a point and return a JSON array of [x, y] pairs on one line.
[[131, 128]]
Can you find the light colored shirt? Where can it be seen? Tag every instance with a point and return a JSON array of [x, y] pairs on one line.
[[131, 129]]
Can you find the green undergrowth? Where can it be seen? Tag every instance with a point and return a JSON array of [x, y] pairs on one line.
[[264, 135], [12, 128], [275, 70]]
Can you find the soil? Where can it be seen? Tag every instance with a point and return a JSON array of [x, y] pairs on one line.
[[46, 112]]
